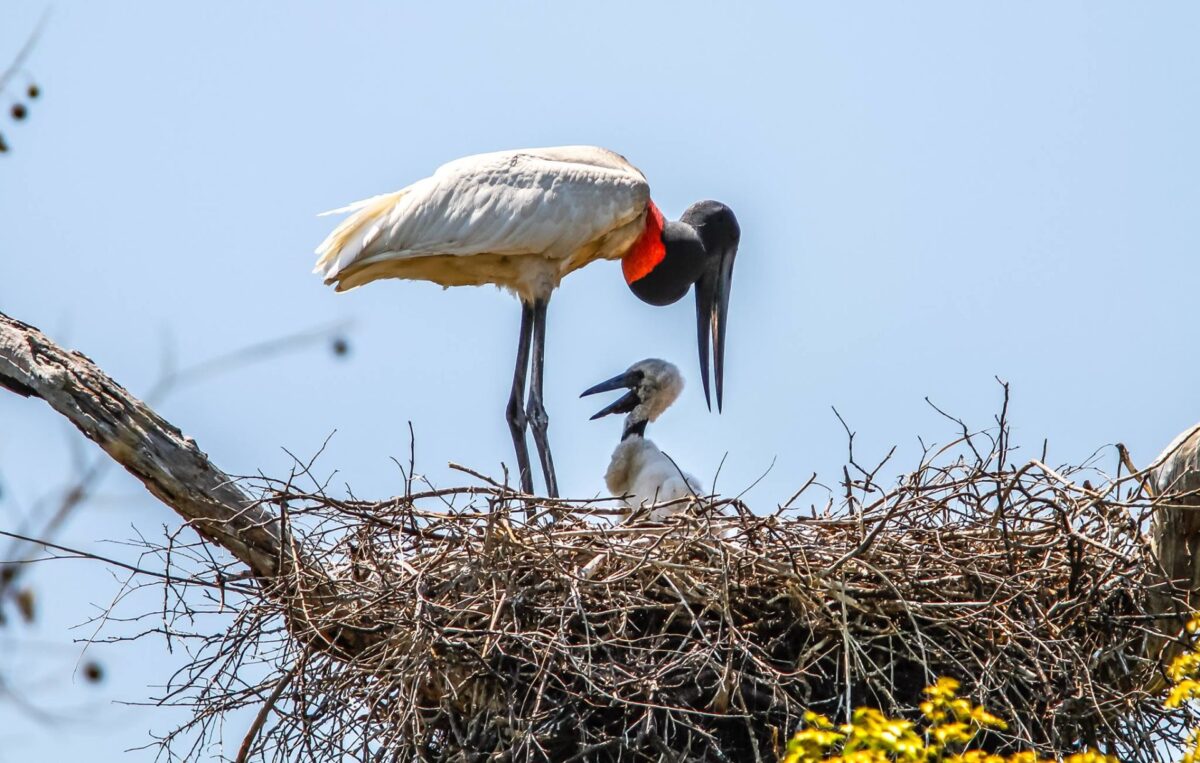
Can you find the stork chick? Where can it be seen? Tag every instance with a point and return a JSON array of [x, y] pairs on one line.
[[639, 471]]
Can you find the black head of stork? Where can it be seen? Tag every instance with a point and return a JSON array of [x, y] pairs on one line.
[[698, 250]]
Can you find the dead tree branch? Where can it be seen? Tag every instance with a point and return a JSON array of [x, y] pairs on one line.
[[154, 451], [80, 491]]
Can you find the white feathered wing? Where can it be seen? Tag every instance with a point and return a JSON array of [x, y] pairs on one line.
[[519, 219]]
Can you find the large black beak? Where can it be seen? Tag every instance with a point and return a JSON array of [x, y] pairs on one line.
[[712, 309], [627, 402]]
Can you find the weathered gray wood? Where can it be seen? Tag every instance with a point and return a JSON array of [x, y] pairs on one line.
[[1175, 532], [178, 473], [149, 447]]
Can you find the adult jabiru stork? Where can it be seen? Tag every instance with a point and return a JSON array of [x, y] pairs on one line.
[[522, 220]]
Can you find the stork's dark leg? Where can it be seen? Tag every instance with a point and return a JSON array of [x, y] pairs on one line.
[[516, 400], [538, 420]]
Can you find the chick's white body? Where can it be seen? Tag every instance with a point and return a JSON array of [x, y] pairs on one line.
[[646, 477]]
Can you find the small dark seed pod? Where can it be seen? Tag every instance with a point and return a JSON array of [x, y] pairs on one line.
[[93, 672], [33, 91], [19, 111], [27, 604]]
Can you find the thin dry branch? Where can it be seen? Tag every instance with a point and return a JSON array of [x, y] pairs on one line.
[[17, 67], [18, 62]]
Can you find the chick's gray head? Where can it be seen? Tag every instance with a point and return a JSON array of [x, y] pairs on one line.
[[653, 386]]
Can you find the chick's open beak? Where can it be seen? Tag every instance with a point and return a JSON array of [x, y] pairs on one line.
[[624, 404]]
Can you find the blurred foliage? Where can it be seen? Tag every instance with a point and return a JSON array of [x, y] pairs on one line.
[[1185, 687], [948, 725]]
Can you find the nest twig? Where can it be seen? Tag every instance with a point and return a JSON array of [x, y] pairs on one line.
[[702, 639]]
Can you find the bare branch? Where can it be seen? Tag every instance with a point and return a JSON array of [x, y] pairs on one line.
[[168, 463], [18, 62], [77, 494]]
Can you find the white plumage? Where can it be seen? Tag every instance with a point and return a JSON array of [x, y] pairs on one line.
[[518, 219], [638, 470], [524, 219], [648, 478]]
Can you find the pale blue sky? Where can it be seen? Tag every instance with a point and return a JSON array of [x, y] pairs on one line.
[[931, 194]]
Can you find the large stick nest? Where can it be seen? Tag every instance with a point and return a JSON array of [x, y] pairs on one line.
[[464, 633]]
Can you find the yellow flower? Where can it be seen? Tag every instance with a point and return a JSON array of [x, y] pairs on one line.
[[950, 722], [933, 711], [1184, 666], [976, 756], [945, 688], [1183, 691], [986, 720], [816, 720], [1091, 756], [953, 733], [1193, 625]]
